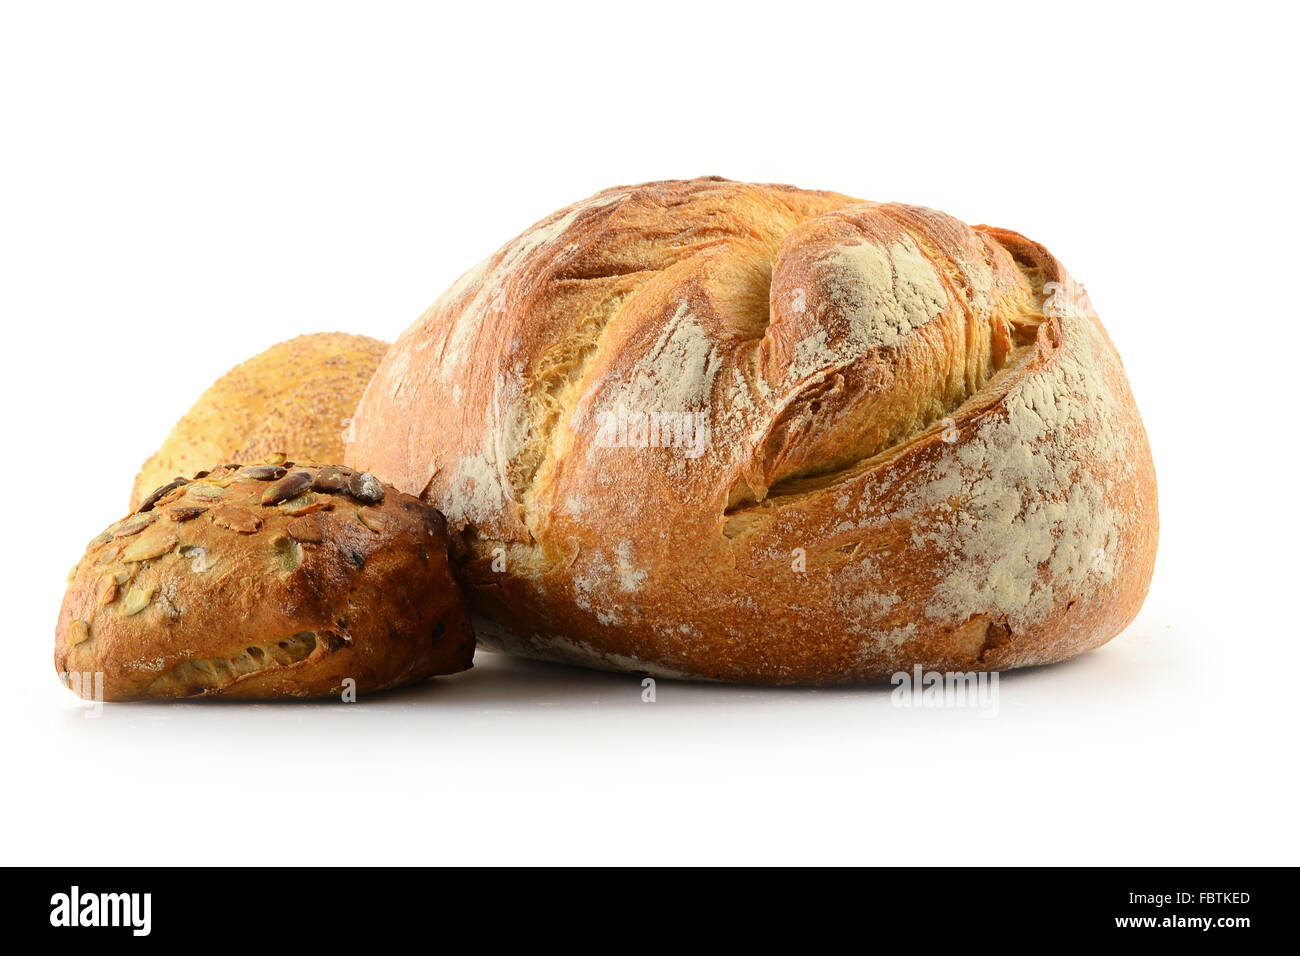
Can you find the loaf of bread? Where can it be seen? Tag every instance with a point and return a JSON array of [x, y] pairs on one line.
[[296, 397], [740, 432], [270, 580]]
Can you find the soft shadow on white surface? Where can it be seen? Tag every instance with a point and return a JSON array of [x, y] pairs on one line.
[[524, 761], [500, 686]]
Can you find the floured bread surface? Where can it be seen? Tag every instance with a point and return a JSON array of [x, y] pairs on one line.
[[754, 433], [297, 397]]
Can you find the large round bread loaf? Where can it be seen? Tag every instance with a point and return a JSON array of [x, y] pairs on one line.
[[754, 433]]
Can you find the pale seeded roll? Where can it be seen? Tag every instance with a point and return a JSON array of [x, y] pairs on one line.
[[264, 581], [752, 433], [297, 397]]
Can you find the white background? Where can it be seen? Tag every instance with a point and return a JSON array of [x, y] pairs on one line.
[[184, 185]]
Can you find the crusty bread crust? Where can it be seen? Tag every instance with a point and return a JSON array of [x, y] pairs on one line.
[[921, 444], [296, 397], [265, 581]]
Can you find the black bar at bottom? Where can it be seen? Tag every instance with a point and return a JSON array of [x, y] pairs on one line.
[[271, 905]]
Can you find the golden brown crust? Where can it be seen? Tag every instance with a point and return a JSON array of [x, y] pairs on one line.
[[265, 581], [295, 398], [919, 445]]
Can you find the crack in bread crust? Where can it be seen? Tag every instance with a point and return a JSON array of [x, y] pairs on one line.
[[200, 676]]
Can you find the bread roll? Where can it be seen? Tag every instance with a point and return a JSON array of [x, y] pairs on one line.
[[295, 398], [264, 581], [752, 433]]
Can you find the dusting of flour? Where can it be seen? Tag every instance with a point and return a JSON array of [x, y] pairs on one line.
[[677, 373], [1031, 515], [884, 294]]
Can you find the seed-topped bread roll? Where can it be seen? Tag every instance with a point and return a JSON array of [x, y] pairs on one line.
[[296, 398], [753, 433], [268, 580]]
